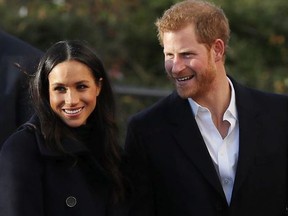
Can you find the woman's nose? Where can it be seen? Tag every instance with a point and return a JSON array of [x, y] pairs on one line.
[[71, 98]]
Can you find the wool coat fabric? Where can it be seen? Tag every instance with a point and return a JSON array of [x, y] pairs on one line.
[[174, 174], [16, 58], [36, 181]]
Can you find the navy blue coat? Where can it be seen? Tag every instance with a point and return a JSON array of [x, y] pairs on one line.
[[36, 181], [15, 108]]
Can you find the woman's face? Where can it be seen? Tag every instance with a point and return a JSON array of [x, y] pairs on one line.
[[73, 92]]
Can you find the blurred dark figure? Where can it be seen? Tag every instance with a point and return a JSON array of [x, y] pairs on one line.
[[17, 58]]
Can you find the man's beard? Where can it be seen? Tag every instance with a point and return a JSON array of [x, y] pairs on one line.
[[201, 85]]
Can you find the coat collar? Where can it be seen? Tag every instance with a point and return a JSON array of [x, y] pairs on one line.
[[70, 146], [73, 148]]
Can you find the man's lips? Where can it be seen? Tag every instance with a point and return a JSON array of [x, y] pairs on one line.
[[182, 79]]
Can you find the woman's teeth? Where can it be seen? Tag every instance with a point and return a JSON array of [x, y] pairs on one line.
[[72, 111]]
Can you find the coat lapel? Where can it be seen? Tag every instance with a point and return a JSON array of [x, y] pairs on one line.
[[189, 138], [249, 116]]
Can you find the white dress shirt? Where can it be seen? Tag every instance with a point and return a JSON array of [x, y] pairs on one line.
[[224, 152]]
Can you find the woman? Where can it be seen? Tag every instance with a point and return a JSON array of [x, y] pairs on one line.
[[66, 159]]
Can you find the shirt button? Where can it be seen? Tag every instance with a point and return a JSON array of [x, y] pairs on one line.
[[227, 181], [71, 201]]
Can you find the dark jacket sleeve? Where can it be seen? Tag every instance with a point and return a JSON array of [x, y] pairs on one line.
[[20, 176], [17, 59]]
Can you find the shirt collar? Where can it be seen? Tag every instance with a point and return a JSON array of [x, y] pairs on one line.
[[231, 110]]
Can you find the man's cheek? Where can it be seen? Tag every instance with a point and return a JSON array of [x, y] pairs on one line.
[[168, 66]]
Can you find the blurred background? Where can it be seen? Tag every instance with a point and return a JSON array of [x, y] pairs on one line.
[[124, 35]]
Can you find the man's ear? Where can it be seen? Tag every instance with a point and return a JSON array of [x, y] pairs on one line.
[[219, 49]]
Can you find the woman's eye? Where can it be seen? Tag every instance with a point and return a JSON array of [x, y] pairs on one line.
[[82, 86], [60, 89]]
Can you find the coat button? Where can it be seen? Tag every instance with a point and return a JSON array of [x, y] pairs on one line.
[[71, 201]]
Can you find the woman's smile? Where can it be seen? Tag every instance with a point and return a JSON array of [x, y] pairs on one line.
[[73, 111]]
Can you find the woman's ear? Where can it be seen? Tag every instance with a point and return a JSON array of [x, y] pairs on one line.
[[219, 49], [99, 85]]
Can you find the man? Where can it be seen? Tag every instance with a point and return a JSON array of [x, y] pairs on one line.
[[16, 59], [213, 147]]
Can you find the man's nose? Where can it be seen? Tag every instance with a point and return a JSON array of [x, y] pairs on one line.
[[178, 65]]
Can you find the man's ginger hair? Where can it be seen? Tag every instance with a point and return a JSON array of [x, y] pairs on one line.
[[209, 21]]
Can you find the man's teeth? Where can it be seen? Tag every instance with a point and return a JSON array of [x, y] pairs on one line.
[[184, 78], [72, 111]]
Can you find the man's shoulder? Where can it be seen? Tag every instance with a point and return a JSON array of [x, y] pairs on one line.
[[261, 102], [265, 96], [158, 113], [12, 45], [17, 54], [243, 91], [158, 108]]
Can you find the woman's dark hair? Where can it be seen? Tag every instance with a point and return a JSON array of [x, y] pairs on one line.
[[53, 128]]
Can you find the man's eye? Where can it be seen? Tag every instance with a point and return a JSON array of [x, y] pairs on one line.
[[169, 55], [187, 55]]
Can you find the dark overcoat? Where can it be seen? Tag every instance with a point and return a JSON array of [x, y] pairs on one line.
[[16, 58], [36, 181], [174, 174]]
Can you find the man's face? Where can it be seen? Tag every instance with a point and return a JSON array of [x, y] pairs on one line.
[[188, 63]]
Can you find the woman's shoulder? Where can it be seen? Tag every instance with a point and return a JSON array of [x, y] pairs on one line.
[[21, 144], [20, 161]]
